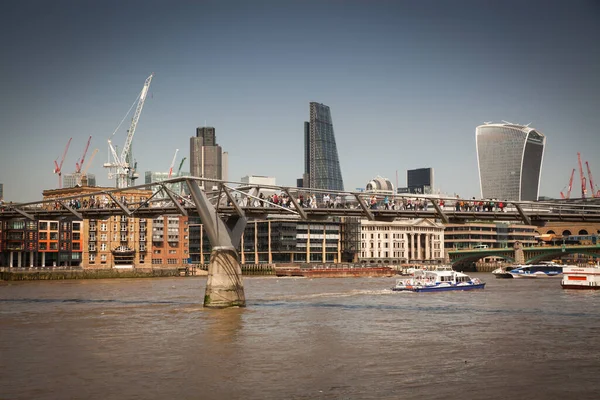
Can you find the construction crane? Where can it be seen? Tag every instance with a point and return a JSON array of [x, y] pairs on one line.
[[180, 165], [79, 163], [181, 184], [172, 164], [83, 180], [568, 195], [583, 181], [121, 167], [589, 171], [58, 167]]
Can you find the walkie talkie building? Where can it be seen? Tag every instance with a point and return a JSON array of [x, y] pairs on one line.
[[510, 161], [321, 162]]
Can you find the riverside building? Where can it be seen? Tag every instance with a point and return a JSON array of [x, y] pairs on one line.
[[510, 159], [402, 241], [492, 235]]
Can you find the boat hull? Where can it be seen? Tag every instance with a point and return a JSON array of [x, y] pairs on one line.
[[581, 278], [438, 288], [504, 275]]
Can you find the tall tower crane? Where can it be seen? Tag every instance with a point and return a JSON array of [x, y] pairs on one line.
[[83, 180], [589, 171], [172, 164], [121, 167], [58, 167], [79, 163], [583, 181], [568, 195], [180, 165], [181, 184]]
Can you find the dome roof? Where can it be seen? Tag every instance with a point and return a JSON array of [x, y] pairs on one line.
[[379, 184]]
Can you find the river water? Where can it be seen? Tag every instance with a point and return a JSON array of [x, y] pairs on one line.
[[297, 338]]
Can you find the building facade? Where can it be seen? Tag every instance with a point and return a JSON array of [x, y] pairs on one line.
[[321, 162], [117, 242], [74, 180], [286, 241], [206, 156], [492, 235], [510, 159], [379, 185], [420, 180], [45, 243], [1, 191], [178, 187], [402, 241], [170, 241]]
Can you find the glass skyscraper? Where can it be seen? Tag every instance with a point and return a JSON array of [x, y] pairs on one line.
[[321, 162], [510, 161]]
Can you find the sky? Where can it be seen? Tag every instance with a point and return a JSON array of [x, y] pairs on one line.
[[407, 82]]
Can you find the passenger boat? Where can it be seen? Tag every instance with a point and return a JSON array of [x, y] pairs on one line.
[[502, 273], [585, 278], [544, 269], [438, 281]]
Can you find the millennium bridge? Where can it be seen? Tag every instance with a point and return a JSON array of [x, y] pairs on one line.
[[224, 208]]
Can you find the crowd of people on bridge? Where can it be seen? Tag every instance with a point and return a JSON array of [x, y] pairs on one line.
[[282, 199]]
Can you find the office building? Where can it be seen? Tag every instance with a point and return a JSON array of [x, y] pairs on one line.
[[74, 180], [178, 187], [1, 191], [206, 156], [509, 158], [321, 162], [420, 180], [493, 235]]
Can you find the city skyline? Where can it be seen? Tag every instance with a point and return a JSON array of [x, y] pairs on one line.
[[408, 84]]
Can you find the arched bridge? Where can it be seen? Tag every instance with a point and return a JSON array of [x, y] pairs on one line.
[[530, 255]]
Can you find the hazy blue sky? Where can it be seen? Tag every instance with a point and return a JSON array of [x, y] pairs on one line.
[[407, 83]]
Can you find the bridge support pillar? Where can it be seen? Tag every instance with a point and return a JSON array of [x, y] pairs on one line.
[[519, 254], [224, 287]]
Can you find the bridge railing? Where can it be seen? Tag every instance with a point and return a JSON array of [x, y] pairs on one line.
[[298, 201]]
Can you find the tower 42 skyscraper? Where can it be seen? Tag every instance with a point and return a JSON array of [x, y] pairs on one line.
[[321, 162], [510, 161]]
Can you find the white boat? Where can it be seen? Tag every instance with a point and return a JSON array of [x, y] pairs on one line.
[[585, 278], [502, 273], [543, 269], [438, 281]]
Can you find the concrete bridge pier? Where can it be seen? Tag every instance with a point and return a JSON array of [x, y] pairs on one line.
[[224, 287]]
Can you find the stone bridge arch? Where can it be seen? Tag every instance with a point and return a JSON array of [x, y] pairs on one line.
[[473, 258]]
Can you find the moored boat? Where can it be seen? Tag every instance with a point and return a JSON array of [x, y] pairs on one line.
[[585, 278], [438, 281]]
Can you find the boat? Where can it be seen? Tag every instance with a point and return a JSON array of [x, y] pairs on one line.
[[335, 272], [544, 269], [438, 281], [584, 278], [502, 273]]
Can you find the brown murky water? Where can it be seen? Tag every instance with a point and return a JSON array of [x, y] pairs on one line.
[[298, 338]]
